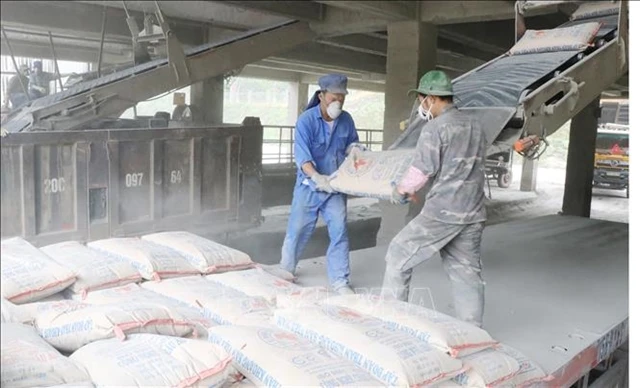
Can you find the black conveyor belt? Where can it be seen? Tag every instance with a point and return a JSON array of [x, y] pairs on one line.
[[501, 83]]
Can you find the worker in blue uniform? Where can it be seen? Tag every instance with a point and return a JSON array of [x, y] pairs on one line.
[[324, 136]]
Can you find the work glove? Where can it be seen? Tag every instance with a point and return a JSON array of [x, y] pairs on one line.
[[358, 146], [397, 198], [322, 183]]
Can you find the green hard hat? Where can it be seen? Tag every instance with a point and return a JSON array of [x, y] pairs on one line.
[[434, 83]]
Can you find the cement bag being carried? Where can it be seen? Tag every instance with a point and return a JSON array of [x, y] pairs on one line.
[[487, 368], [269, 356], [94, 270], [373, 174], [223, 305], [28, 275], [574, 38], [392, 356], [70, 330], [155, 361], [153, 261], [255, 282], [133, 293], [29, 361], [529, 373], [450, 335], [205, 255]]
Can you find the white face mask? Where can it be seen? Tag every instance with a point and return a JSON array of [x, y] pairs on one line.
[[425, 114], [334, 110]]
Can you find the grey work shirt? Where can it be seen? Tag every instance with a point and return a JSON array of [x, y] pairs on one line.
[[451, 152]]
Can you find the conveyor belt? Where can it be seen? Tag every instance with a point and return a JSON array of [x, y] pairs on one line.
[[501, 83], [135, 70]]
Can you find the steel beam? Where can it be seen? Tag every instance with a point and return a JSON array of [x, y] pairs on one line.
[[210, 12], [337, 22], [392, 10], [300, 10], [452, 12], [334, 56], [68, 53]]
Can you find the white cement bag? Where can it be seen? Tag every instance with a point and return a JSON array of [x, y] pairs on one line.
[[574, 38], [596, 9], [28, 275], [373, 175], [153, 261], [28, 312], [446, 333], [273, 357], [224, 305], [155, 361], [10, 312], [133, 293], [28, 361], [94, 270], [275, 270], [529, 372], [392, 356], [70, 330], [487, 368], [255, 282], [205, 255], [304, 296]]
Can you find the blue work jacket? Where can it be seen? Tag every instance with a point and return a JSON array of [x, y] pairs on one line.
[[315, 143]]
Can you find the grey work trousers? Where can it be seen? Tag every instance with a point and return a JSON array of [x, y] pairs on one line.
[[459, 247]]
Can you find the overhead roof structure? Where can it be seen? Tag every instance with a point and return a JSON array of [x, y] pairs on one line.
[[351, 35]]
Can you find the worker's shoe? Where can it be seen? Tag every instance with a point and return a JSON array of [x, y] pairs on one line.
[[344, 290]]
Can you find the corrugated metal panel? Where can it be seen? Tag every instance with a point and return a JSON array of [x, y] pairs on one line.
[[89, 185]]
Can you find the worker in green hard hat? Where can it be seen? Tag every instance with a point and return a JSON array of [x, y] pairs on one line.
[[449, 163]]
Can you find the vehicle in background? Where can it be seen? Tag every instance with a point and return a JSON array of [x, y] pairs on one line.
[[498, 167], [611, 166]]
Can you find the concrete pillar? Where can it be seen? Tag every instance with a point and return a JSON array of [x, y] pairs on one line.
[[580, 159], [297, 101], [528, 181], [208, 98], [411, 52]]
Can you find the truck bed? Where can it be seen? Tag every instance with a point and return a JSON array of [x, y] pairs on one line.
[[556, 288]]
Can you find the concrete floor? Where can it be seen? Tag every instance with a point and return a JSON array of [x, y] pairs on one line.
[[553, 283], [264, 243]]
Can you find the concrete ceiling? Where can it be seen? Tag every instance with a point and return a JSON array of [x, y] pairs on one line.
[[351, 34]]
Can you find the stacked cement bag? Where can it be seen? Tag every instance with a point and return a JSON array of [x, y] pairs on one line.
[[269, 356], [28, 361], [450, 335], [529, 372], [487, 368], [79, 325], [222, 304], [390, 355], [133, 293], [304, 296], [94, 270], [27, 274], [372, 174], [155, 361], [205, 255], [153, 261], [256, 282]]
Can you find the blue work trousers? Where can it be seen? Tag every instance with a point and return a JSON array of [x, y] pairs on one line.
[[306, 206]]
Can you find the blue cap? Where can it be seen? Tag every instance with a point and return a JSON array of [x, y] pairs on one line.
[[333, 83]]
